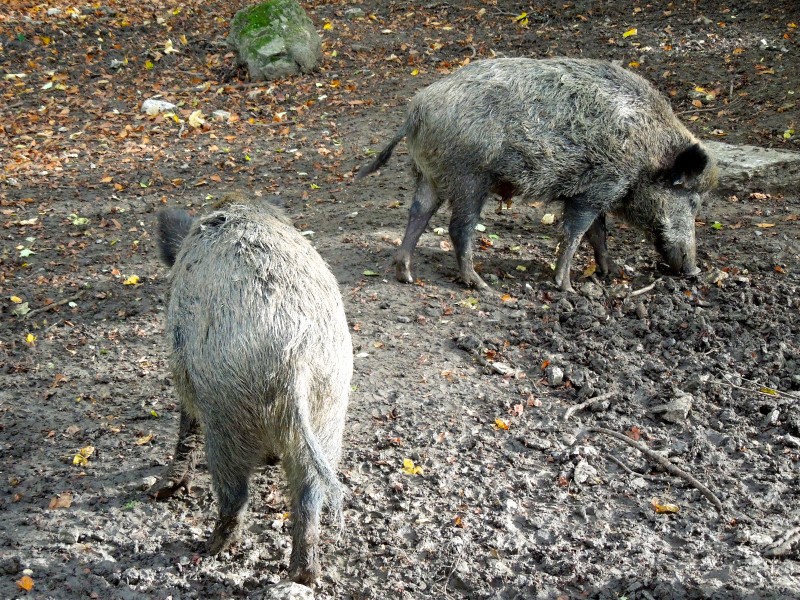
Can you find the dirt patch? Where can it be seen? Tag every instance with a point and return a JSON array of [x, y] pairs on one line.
[[513, 500]]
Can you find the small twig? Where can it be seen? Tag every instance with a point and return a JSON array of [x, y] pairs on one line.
[[645, 289], [474, 52], [744, 389], [54, 304], [630, 471], [664, 462], [578, 407], [706, 109]]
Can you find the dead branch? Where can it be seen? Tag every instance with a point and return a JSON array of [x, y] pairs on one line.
[[52, 305], [665, 463]]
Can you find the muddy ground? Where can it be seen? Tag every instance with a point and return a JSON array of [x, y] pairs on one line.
[[514, 500]]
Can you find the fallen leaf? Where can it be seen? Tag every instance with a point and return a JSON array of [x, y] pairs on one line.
[[765, 225], [63, 500], [132, 280], [664, 508], [631, 32], [16, 299], [197, 119], [82, 457], [145, 439], [410, 468], [369, 273], [501, 424], [25, 583], [548, 219]]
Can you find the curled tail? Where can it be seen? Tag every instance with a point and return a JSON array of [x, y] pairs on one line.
[[383, 157], [173, 225]]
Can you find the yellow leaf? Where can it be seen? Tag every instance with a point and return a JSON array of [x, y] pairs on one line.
[[770, 391], [500, 424], [183, 39], [148, 64], [197, 119], [507, 298], [665, 508], [30, 338], [521, 268], [144, 439], [548, 219], [415, 72], [25, 583], [107, 179], [630, 32], [410, 468], [132, 280], [169, 48], [590, 270], [765, 225], [82, 457], [16, 299], [634, 65], [328, 26]]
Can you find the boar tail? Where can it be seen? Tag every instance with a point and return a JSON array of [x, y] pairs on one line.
[[319, 462], [173, 225], [383, 157]]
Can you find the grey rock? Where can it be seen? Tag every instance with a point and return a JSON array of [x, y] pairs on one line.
[[353, 13], [555, 375], [275, 39], [221, 115], [750, 168], [676, 410]]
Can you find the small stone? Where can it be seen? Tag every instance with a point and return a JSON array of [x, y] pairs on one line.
[[148, 482], [675, 411], [289, 590], [468, 343], [641, 310], [221, 115], [584, 473], [353, 13], [592, 290], [790, 440], [53, 11], [69, 535], [402, 319], [555, 375]]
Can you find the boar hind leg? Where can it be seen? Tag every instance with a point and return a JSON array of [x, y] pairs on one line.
[[308, 496], [230, 474], [426, 203], [467, 202], [578, 218], [596, 234]]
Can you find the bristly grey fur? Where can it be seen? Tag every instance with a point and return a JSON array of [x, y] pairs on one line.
[[586, 133], [261, 358]]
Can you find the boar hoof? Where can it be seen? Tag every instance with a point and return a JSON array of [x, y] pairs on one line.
[[178, 476], [225, 533], [402, 271]]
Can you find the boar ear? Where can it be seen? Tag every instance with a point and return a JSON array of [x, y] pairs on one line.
[[688, 164]]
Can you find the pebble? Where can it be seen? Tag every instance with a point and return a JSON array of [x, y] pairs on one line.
[[676, 410], [554, 374], [221, 115], [353, 13]]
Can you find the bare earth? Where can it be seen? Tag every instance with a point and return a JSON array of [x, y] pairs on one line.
[[513, 500]]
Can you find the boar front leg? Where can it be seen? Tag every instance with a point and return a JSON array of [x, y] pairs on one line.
[[596, 235], [579, 216], [178, 473]]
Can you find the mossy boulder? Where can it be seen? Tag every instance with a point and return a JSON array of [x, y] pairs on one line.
[[275, 39]]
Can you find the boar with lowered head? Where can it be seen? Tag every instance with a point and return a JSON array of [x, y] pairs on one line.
[[586, 133]]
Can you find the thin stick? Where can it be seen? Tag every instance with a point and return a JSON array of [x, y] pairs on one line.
[[576, 407], [645, 289], [744, 389], [664, 462], [630, 471], [54, 304]]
